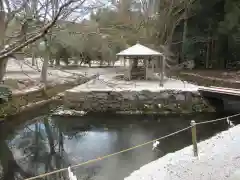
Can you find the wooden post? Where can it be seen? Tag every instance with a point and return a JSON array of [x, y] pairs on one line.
[[194, 138]]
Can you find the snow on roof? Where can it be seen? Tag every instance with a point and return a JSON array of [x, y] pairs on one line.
[[139, 50]]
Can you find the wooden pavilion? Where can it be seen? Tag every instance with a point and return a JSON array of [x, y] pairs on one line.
[[143, 62]]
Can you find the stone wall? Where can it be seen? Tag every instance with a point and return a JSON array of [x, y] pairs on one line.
[[25, 101], [167, 101]]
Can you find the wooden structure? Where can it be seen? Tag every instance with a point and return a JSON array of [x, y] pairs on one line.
[[222, 99], [152, 62]]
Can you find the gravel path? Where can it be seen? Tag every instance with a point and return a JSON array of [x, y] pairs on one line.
[[219, 158]]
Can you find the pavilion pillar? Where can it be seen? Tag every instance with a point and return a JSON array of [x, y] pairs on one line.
[[124, 62], [146, 73], [129, 69], [152, 62], [162, 70], [164, 65]]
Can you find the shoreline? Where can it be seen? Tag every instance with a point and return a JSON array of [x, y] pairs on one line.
[[35, 98]]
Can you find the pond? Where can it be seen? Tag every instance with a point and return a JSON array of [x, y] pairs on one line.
[[46, 143]]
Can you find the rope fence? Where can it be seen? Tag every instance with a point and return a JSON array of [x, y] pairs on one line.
[[194, 141], [220, 119]]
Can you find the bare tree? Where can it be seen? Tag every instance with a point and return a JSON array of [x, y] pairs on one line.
[[73, 14], [24, 22]]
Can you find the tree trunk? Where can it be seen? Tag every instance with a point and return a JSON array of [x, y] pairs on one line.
[[81, 62], [45, 63], [212, 53], [184, 37], [33, 59], [36, 148], [9, 164], [223, 51], [208, 47], [44, 69], [3, 62], [3, 67], [49, 135]]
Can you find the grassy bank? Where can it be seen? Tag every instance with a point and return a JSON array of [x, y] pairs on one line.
[[208, 79]]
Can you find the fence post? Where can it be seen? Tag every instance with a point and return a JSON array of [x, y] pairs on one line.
[[194, 138]]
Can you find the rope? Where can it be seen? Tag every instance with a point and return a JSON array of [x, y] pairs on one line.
[[220, 119], [109, 155], [131, 148]]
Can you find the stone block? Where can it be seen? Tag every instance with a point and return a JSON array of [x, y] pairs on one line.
[[133, 100], [163, 95], [180, 97]]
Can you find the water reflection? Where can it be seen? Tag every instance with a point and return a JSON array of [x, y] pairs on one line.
[[48, 143]]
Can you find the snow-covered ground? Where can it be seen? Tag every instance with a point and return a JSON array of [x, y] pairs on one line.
[[108, 83], [154, 85], [219, 158], [23, 70]]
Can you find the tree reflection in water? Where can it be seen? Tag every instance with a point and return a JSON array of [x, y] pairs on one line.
[[33, 149], [46, 144]]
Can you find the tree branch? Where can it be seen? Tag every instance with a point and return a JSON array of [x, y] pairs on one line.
[[8, 52]]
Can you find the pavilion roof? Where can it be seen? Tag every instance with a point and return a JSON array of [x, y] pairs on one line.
[[139, 50]]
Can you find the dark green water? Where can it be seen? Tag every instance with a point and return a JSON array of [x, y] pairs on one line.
[[45, 144]]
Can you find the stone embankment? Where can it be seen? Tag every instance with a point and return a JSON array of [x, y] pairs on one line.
[[37, 98], [119, 100]]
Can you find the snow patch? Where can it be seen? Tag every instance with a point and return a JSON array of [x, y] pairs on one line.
[[218, 159]]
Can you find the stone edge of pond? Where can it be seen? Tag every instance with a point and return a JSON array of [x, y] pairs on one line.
[[218, 157], [164, 102], [25, 102]]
